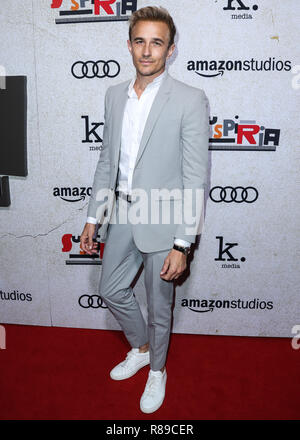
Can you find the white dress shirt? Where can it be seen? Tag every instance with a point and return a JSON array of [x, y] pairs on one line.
[[135, 116]]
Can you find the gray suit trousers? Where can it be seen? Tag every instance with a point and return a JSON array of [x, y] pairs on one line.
[[120, 264]]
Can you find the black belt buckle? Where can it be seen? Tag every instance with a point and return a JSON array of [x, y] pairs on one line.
[[123, 196]]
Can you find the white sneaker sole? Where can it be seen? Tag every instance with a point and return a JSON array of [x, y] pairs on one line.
[[130, 373], [153, 408]]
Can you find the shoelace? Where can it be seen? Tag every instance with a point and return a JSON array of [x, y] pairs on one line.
[[152, 385], [129, 356]]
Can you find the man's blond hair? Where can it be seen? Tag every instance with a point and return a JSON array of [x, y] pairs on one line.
[[153, 13]]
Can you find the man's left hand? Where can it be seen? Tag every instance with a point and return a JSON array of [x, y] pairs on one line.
[[174, 265]]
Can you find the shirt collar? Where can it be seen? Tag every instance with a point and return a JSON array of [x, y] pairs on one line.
[[155, 83]]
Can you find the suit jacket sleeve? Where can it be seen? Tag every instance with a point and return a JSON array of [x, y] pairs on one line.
[[98, 200], [195, 144]]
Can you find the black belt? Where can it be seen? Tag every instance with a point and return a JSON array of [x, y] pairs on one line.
[[123, 195]]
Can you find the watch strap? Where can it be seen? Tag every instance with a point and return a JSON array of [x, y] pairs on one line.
[[183, 249]]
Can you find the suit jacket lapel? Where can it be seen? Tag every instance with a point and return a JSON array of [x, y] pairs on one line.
[[159, 102], [118, 116]]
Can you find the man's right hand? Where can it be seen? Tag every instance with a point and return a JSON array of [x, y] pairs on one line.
[[86, 239]]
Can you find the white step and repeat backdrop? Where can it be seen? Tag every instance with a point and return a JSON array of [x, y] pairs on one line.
[[244, 274]]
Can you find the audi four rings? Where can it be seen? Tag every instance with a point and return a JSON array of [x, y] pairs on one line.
[[95, 69], [248, 194], [91, 301]]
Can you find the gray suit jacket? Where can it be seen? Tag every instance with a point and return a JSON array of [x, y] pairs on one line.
[[173, 154]]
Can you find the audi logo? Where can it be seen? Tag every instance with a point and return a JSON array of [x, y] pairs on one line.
[[230, 194], [95, 69], [91, 301]]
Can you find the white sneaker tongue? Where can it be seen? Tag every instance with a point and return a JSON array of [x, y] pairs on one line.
[[156, 373]]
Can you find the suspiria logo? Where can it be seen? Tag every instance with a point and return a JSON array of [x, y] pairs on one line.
[[84, 11], [81, 258], [212, 68], [209, 305], [242, 135]]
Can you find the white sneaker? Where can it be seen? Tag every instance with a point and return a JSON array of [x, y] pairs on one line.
[[134, 361], [154, 393]]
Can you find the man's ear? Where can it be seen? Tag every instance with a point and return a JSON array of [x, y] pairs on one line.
[[129, 46], [171, 50]]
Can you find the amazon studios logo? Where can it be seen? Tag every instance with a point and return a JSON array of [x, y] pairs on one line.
[[213, 68], [85, 11], [209, 305], [75, 194], [15, 296]]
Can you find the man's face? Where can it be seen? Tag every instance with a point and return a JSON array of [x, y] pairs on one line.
[[149, 47]]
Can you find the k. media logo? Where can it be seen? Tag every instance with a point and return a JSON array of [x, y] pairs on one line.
[[213, 68], [85, 11], [225, 255], [240, 9], [242, 135], [93, 133], [209, 305]]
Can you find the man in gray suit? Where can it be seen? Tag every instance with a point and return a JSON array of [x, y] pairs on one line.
[[153, 161]]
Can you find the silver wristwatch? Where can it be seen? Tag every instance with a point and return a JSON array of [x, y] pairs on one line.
[[184, 250]]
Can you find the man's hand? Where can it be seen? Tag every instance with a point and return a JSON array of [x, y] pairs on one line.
[[174, 265], [86, 239]]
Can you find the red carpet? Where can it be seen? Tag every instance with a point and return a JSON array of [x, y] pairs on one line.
[[63, 373]]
